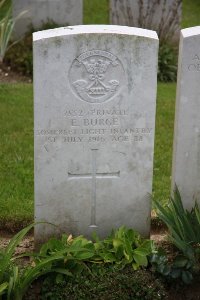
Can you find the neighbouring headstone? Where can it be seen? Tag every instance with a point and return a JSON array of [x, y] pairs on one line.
[[186, 156], [163, 16], [37, 13], [95, 100]]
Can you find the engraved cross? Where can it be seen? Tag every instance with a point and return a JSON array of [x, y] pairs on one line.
[[94, 175]]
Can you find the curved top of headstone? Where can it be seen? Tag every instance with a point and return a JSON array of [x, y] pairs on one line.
[[84, 29], [190, 31]]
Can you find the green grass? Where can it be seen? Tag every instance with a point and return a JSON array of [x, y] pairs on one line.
[[96, 12], [191, 13], [164, 140], [16, 151], [16, 155]]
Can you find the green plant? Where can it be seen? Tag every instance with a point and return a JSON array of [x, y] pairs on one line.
[[20, 57], [184, 232], [4, 4], [167, 63], [8, 270], [14, 281], [184, 226], [69, 256], [22, 282], [73, 253], [124, 246], [6, 28], [7, 23], [179, 268]]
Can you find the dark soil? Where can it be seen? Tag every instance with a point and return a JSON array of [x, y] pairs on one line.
[[113, 284], [7, 75], [190, 292]]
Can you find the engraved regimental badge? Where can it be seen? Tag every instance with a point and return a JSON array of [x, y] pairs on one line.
[[96, 76]]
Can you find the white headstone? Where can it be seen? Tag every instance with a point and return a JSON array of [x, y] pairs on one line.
[[159, 15], [186, 157], [36, 13], [95, 100]]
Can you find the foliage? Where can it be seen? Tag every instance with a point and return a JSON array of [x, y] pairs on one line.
[[13, 281], [73, 253], [20, 57], [184, 229], [167, 63], [4, 6], [69, 256], [2, 2], [6, 29], [184, 226], [29, 274], [7, 23], [8, 270], [124, 246], [106, 283], [179, 268]]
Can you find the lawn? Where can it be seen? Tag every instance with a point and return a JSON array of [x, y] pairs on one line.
[[16, 155], [96, 12], [164, 140], [191, 13], [16, 129]]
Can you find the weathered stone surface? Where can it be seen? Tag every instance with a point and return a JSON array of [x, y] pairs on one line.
[[39, 12], [95, 98], [186, 157], [161, 16]]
